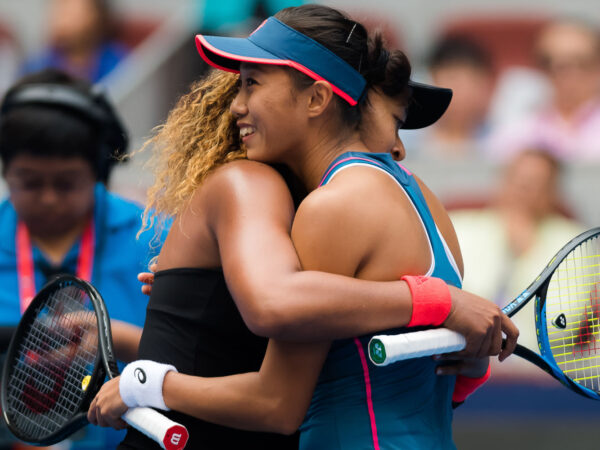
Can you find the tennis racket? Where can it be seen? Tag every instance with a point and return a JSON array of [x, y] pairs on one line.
[[57, 361], [567, 320]]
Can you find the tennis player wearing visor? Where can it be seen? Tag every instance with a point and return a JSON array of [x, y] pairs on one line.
[[305, 76]]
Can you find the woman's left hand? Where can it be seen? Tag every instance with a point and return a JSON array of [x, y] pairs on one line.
[[107, 407], [147, 278], [468, 367]]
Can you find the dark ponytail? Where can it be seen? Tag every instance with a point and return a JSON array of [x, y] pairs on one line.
[[385, 70], [348, 39]]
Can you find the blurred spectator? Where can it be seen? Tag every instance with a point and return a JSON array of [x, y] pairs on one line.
[[568, 125], [237, 16], [507, 244], [57, 135], [9, 58], [80, 40], [228, 17], [518, 91], [462, 65]]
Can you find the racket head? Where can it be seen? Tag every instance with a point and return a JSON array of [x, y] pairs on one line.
[[567, 315], [53, 366]]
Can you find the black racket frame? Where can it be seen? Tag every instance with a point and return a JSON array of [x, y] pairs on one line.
[[104, 364]]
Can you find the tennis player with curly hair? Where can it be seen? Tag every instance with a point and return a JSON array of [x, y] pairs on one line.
[[229, 268]]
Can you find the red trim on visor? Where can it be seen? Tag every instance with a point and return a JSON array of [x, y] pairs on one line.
[[201, 42], [259, 27]]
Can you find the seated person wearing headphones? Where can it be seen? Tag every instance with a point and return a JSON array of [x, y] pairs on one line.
[[59, 139]]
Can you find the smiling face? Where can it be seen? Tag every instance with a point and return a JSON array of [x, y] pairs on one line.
[[271, 113], [381, 120]]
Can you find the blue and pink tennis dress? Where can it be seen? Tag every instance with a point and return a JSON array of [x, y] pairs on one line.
[[405, 405]]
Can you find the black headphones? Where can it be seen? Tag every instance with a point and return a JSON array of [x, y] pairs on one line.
[[92, 106]]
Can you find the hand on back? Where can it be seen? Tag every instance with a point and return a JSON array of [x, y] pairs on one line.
[[147, 278]]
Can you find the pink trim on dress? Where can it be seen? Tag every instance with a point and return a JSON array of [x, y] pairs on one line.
[[363, 361], [351, 158], [404, 168]]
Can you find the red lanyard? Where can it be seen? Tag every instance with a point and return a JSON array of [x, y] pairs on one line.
[[25, 267]]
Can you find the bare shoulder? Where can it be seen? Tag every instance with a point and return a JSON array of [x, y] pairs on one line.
[[233, 200], [242, 183], [245, 167], [341, 199], [336, 221], [244, 175], [442, 219]]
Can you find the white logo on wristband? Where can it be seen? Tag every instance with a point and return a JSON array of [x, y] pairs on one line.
[[141, 384]]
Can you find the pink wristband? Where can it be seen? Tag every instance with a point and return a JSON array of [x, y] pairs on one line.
[[465, 386], [431, 300]]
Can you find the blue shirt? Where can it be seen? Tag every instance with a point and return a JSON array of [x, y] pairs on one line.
[[106, 58], [409, 406], [118, 258]]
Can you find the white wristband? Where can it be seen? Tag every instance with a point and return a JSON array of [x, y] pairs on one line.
[[141, 384]]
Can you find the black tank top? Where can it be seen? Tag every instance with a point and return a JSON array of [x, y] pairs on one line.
[[193, 323]]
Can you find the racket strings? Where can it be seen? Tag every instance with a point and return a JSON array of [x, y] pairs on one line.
[[573, 314], [56, 356]]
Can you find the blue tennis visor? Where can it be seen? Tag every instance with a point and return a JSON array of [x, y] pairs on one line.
[[274, 42]]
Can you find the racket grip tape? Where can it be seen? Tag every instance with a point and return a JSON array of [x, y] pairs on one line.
[[170, 435], [387, 349]]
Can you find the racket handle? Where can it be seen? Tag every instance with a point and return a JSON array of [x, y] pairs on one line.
[[385, 349], [170, 435]]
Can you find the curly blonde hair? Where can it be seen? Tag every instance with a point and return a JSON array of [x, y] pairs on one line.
[[198, 136]]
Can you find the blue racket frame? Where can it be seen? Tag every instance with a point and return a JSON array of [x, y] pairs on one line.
[[545, 360]]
